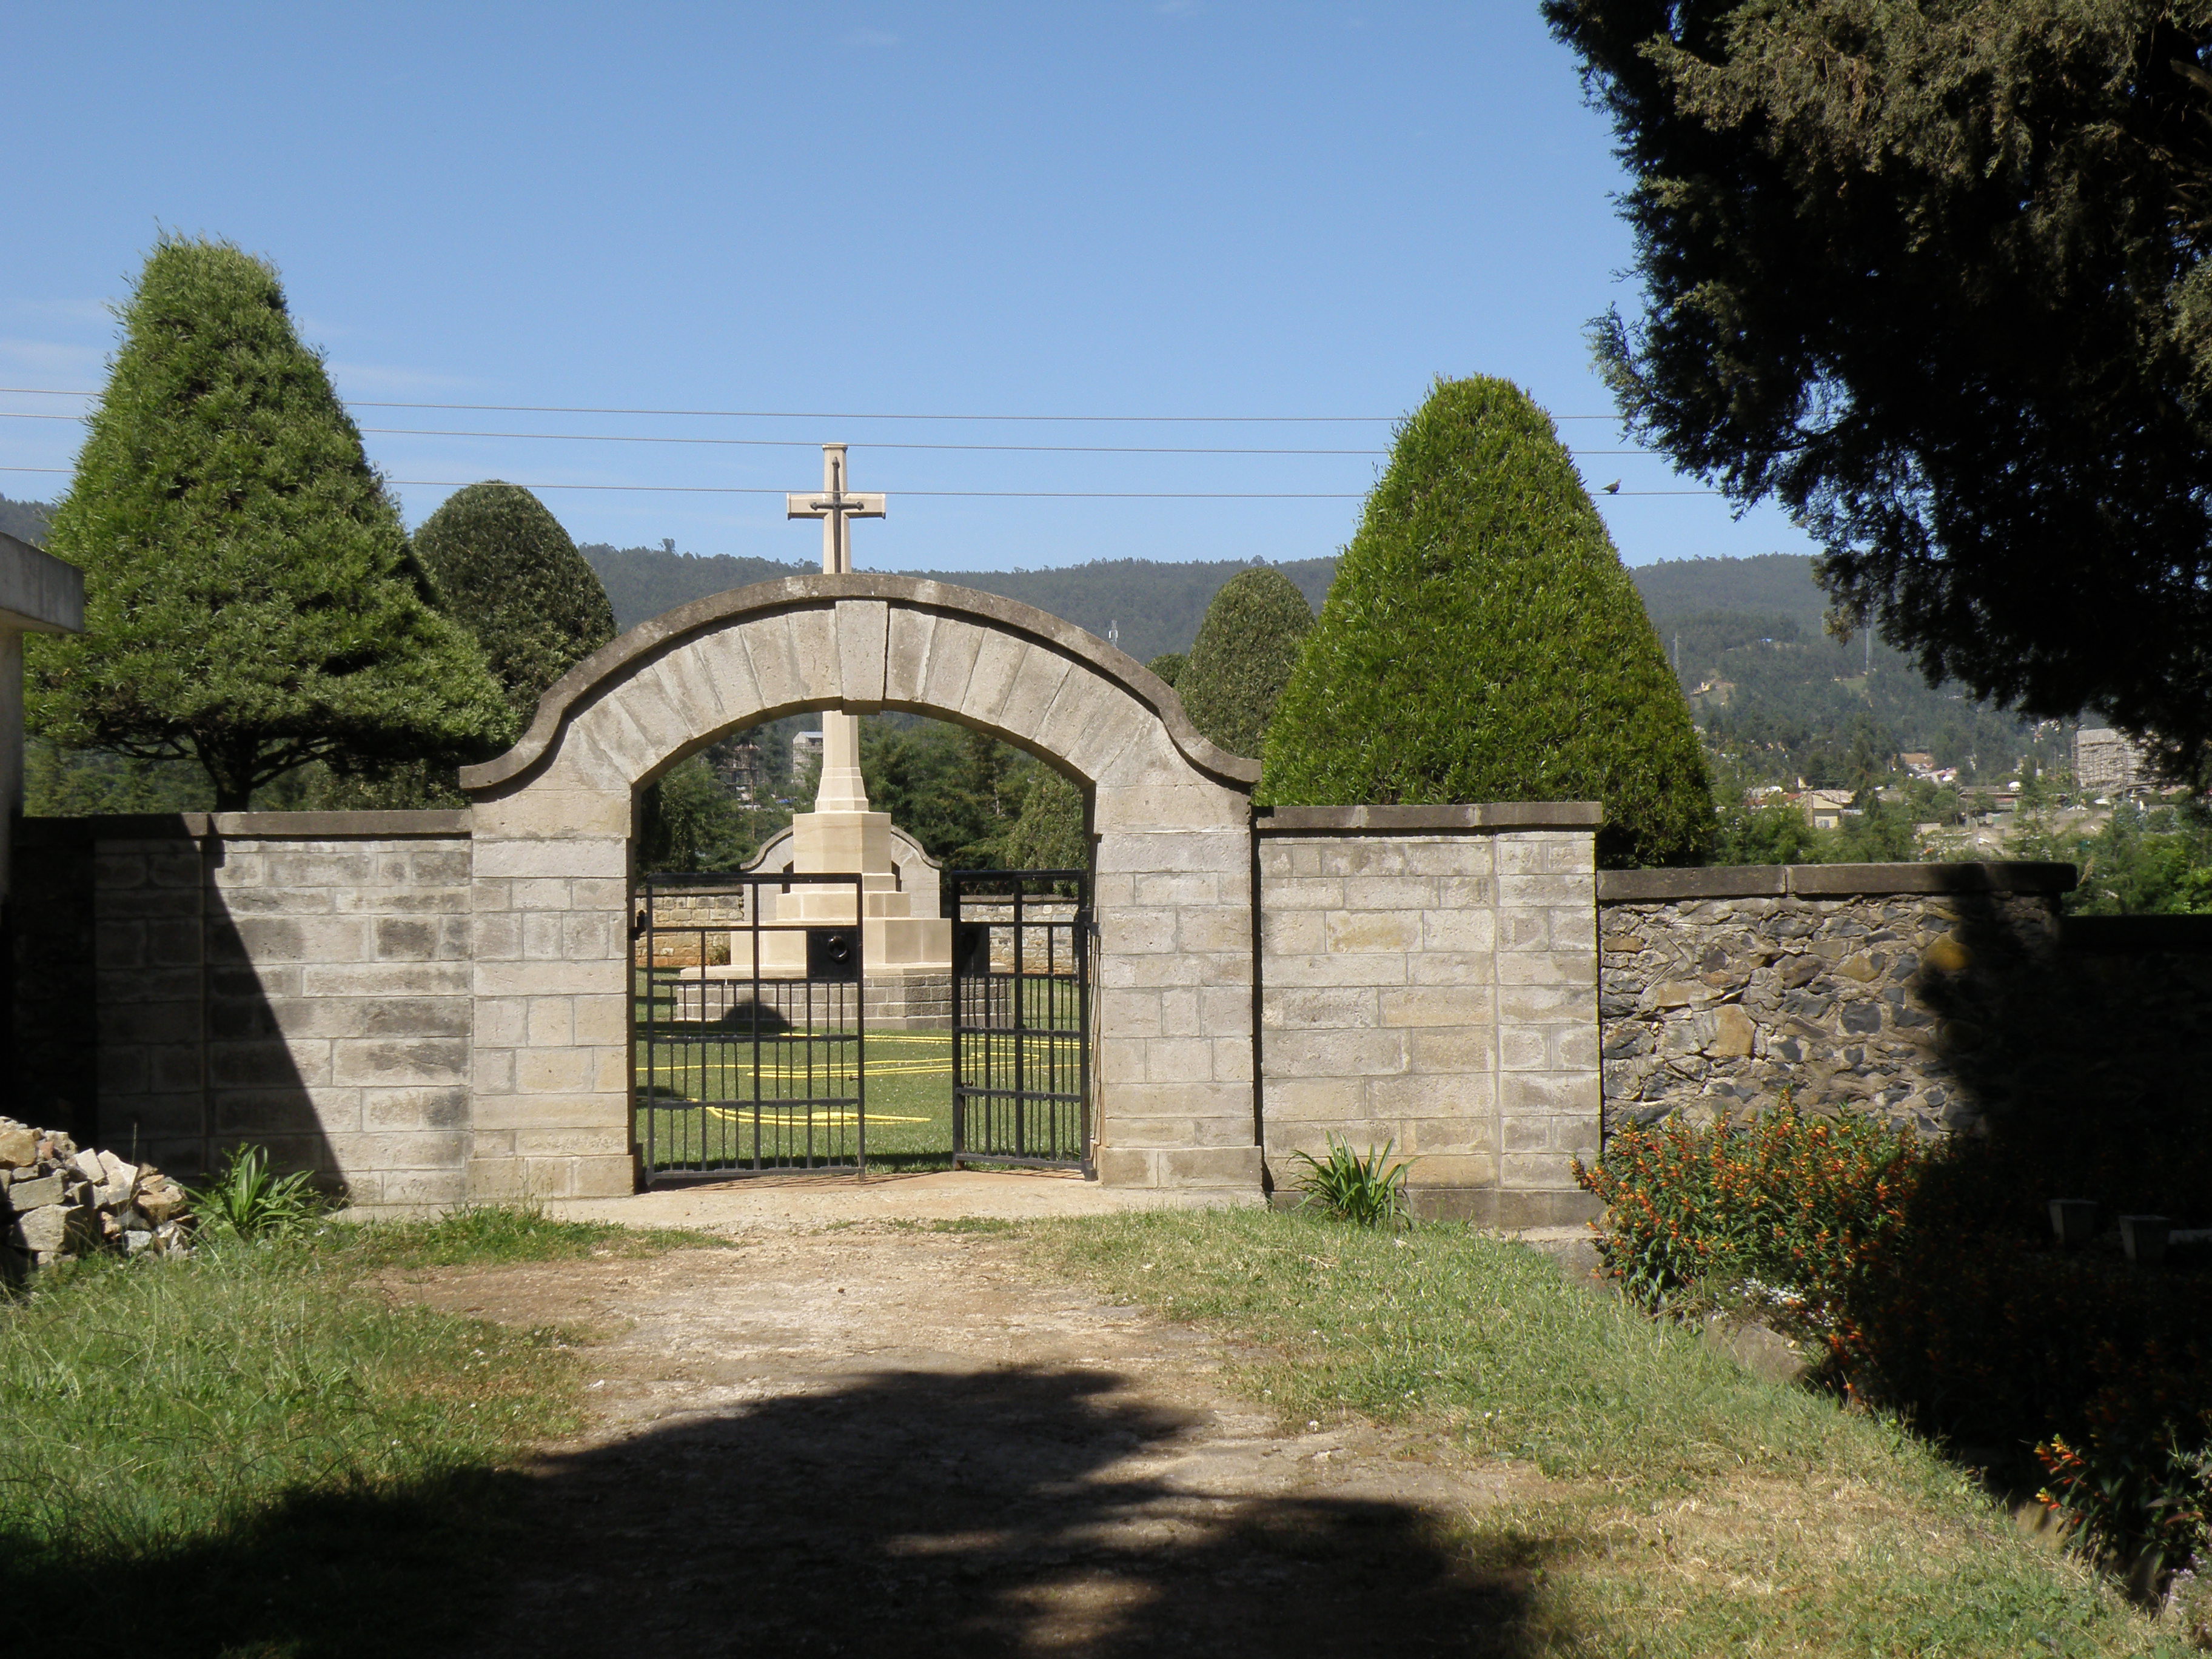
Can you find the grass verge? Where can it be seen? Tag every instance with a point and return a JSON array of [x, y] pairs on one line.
[[248, 1452], [1691, 1509]]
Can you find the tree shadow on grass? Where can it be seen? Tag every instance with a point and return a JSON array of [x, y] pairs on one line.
[[898, 1514]]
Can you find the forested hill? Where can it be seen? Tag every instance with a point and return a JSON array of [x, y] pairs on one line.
[[1772, 584], [25, 521], [1157, 606]]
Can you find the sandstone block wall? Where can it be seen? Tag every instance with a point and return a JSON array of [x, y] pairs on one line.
[[295, 979], [1429, 976], [551, 979]]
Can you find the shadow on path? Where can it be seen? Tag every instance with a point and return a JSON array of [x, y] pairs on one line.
[[895, 1514]]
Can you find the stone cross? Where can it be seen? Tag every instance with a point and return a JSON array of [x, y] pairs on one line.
[[840, 789], [836, 509]]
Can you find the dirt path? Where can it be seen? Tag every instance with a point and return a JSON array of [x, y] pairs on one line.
[[876, 1440]]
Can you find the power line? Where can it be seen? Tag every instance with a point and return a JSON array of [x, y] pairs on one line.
[[965, 495], [848, 415], [811, 443]]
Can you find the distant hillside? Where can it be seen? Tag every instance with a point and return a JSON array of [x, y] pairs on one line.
[[1772, 584], [1157, 607], [25, 521]]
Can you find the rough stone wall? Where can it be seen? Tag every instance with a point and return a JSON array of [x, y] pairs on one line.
[[1428, 976], [295, 979], [1743, 984]]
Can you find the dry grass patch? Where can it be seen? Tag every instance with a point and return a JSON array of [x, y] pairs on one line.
[[1691, 1509]]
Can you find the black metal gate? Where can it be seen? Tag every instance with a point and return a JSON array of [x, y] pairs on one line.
[[1021, 1017], [748, 1035]]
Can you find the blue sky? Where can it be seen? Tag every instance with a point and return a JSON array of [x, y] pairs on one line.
[[835, 211]]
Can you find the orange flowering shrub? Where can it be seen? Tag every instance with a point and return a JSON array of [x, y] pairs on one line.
[[1921, 1269], [1802, 1204]]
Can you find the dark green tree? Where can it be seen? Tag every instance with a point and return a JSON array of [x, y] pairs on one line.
[[1168, 665], [1243, 658], [250, 598], [687, 821], [1483, 644], [1048, 834], [500, 564], [1933, 277]]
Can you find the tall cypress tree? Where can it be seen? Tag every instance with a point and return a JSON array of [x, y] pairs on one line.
[[503, 565], [1483, 643], [1243, 658], [250, 599]]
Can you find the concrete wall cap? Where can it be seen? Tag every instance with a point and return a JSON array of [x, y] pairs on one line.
[[1829, 881], [246, 826], [1484, 817], [1726, 881], [717, 611], [38, 592]]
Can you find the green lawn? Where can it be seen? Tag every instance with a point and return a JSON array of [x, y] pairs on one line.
[[908, 1082], [716, 1095], [250, 1451], [1683, 1508]]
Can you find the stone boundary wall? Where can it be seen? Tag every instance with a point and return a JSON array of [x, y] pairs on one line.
[[1874, 987], [425, 1014], [1428, 976], [300, 980]]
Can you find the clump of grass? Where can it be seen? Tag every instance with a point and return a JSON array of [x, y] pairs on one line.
[[247, 1200], [485, 1234], [1367, 1192], [1682, 1506]]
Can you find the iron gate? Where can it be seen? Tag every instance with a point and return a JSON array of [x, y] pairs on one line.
[[750, 1031], [1021, 1017]]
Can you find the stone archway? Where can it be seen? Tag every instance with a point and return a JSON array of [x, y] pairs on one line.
[[553, 822]]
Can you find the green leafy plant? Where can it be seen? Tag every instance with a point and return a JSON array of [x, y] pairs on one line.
[[1483, 643], [246, 1200], [1368, 1192]]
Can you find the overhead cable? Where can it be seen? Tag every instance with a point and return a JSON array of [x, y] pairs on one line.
[[814, 443], [971, 495], [848, 415]]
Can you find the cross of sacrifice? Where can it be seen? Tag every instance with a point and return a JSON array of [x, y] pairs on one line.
[[836, 509]]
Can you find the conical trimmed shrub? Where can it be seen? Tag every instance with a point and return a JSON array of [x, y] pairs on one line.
[[1243, 658], [501, 564], [250, 602], [1482, 642]]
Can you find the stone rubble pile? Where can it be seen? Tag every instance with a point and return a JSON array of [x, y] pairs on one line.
[[58, 1202]]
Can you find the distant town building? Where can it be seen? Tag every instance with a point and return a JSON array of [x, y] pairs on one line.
[[2105, 763], [1827, 808], [805, 746]]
